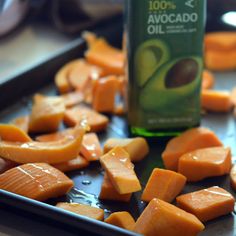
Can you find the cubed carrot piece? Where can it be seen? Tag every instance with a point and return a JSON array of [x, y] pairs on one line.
[[21, 122], [216, 101], [206, 162], [73, 98], [84, 210], [91, 148], [80, 75], [104, 94], [102, 54], [121, 219], [207, 204], [47, 114], [12, 133], [233, 177], [38, 181], [75, 164], [6, 165], [162, 218], [208, 80], [108, 192], [163, 184], [136, 147], [189, 140], [120, 171], [82, 114], [61, 77], [56, 136]]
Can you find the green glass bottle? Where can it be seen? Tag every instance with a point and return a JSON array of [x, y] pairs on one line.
[[165, 63]]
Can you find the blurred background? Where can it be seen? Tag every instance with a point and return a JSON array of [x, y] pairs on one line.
[[33, 30]]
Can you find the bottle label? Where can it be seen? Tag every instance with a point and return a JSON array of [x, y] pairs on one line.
[[165, 50]]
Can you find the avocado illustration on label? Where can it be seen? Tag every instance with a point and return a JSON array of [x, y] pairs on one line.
[[173, 82], [150, 55]]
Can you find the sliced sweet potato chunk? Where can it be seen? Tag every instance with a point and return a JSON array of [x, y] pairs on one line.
[[220, 51], [108, 192], [50, 152], [206, 162], [102, 54], [12, 133], [136, 147], [121, 219], [189, 140], [207, 204], [104, 94], [54, 136], [233, 177], [162, 218], [38, 181], [75, 164], [82, 114], [47, 114], [120, 171], [6, 165], [218, 101], [73, 98], [61, 78], [163, 184], [81, 209], [80, 75], [90, 148], [21, 122], [208, 80]]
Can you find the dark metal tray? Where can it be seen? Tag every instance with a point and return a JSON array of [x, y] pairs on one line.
[[15, 100]]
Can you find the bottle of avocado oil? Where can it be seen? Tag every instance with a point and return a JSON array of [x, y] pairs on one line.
[[165, 62]]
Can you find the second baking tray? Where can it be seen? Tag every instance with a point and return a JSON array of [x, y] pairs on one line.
[[88, 181]]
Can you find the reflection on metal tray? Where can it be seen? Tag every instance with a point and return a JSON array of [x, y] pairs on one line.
[[222, 124]]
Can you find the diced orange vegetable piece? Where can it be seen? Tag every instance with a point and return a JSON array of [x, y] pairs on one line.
[[6, 165], [220, 51], [47, 114], [75, 164], [50, 152], [136, 147], [208, 80], [73, 98], [89, 37], [61, 78], [21, 122], [162, 218], [189, 140], [163, 184], [80, 75], [233, 177], [206, 162], [218, 101], [119, 109], [102, 54], [12, 133], [81, 209], [90, 148], [233, 96], [38, 181], [54, 136], [108, 192], [104, 94], [120, 171], [121, 219], [207, 204], [96, 121]]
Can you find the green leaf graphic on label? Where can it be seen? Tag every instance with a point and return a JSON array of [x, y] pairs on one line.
[[172, 83], [150, 55]]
